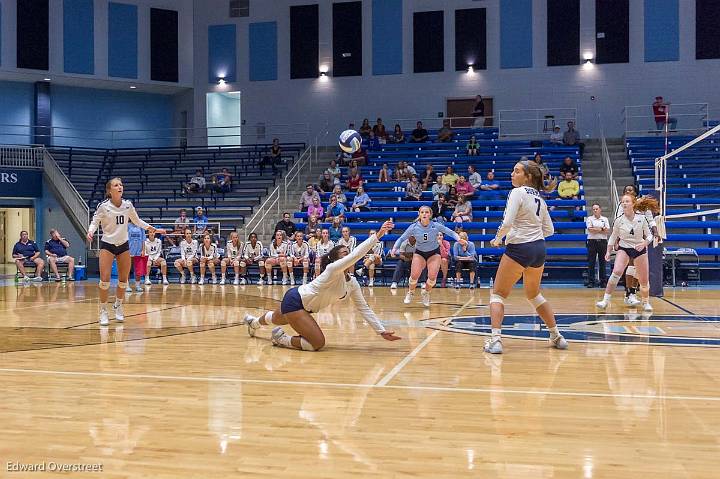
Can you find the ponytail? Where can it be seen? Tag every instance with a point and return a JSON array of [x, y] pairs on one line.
[[331, 257], [535, 174], [646, 203]]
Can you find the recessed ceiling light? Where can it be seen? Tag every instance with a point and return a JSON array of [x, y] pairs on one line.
[[46, 79], [133, 87]]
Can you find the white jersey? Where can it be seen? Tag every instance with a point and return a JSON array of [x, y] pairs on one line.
[[332, 286], [209, 253], [188, 250], [647, 214], [153, 249], [377, 250], [114, 221], [350, 242], [299, 251], [233, 252], [526, 217], [593, 222], [276, 251], [321, 249], [631, 232], [252, 252]]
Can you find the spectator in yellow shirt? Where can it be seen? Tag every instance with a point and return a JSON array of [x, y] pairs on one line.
[[450, 177], [568, 188]]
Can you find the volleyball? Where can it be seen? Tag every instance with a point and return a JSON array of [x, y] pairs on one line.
[[350, 141]]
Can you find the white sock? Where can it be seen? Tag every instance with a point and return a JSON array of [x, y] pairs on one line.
[[118, 301], [496, 332], [103, 307], [554, 333], [268, 318], [607, 297]]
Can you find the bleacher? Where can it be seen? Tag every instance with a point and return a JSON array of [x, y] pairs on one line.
[[153, 178], [566, 248], [692, 185]]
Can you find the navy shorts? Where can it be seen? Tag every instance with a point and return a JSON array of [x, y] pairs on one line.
[[292, 302], [428, 254], [116, 250], [527, 255], [633, 253]]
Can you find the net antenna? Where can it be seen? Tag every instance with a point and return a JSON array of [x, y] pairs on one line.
[[661, 182]]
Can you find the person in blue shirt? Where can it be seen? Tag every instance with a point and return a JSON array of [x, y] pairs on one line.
[[465, 260], [201, 221], [427, 252], [56, 252], [490, 188], [26, 251], [136, 238], [335, 230]]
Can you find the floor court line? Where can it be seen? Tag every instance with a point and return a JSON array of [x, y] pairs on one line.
[[398, 367], [529, 392], [57, 303]]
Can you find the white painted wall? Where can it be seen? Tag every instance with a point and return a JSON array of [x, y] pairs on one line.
[[423, 95]]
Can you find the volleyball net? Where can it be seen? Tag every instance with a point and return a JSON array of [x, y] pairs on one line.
[[687, 179]]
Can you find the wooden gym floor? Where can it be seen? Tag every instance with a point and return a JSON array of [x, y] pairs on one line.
[[180, 390]]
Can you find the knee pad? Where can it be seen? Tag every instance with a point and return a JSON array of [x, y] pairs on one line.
[[496, 298], [104, 285], [537, 301], [412, 282], [305, 345], [122, 284], [631, 271], [431, 282]]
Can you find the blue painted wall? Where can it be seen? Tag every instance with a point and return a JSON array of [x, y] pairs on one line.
[[122, 40], [16, 100], [86, 115], [263, 51], [662, 31], [79, 36], [1, 33], [222, 53], [387, 37], [516, 43]]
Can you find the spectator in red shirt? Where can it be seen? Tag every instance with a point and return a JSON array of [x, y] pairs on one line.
[[464, 189], [360, 157], [661, 111], [354, 181], [379, 130]]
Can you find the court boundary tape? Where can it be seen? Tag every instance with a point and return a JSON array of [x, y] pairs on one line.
[[215, 379]]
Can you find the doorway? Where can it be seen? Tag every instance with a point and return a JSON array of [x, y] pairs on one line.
[[12, 222], [461, 110], [223, 118]]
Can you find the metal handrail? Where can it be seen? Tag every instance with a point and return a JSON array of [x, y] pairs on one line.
[[257, 220], [17, 156], [294, 171], [510, 121], [696, 114], [67, 193], [607, 164]]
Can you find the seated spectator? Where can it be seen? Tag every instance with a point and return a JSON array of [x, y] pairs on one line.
[[338, 192], [273, 158], [439, 188], [451, 197], [450, 178], [56, 252], [402, 173], [233, 254], [334, 171], [473, 147], [365, 128], [411, 170], [429, 177], [222, 182], [360, 157], [306, 199], [196, 183], [152, 250], [568, 188], [298, 254], [439, 208], [572, 137], [413, 190], [445, 134], [419, 134], [335, 230], [312, 224], [354, 181], [405, 255], [385, 174], [346, 240], [252, 254], [286, 224], [373, 142], [321, 248], [314, 239], [569, 166], [361, 201], [464, 189], [398, 135], [326, 183], [201, 221], [474, 177], [444, 258], [465, 260], [209, 257], [490, 188], [316, 208], [463, 211], [543, 167], [372, 260], [556, 137], [379, 131], [179, 226], [188, 256], [335, 210]]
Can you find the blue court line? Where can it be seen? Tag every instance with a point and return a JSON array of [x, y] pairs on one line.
[[679, 307]]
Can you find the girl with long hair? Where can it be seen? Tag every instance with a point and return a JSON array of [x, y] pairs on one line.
[[189, 253], [333, 285], [427, 252], [526, 223], [113, 215], [208, 257], [372, 260], [278, 255], [233, 253]]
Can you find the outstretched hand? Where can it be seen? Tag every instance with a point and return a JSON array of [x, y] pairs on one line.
[[389, 336], [387, 226]]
